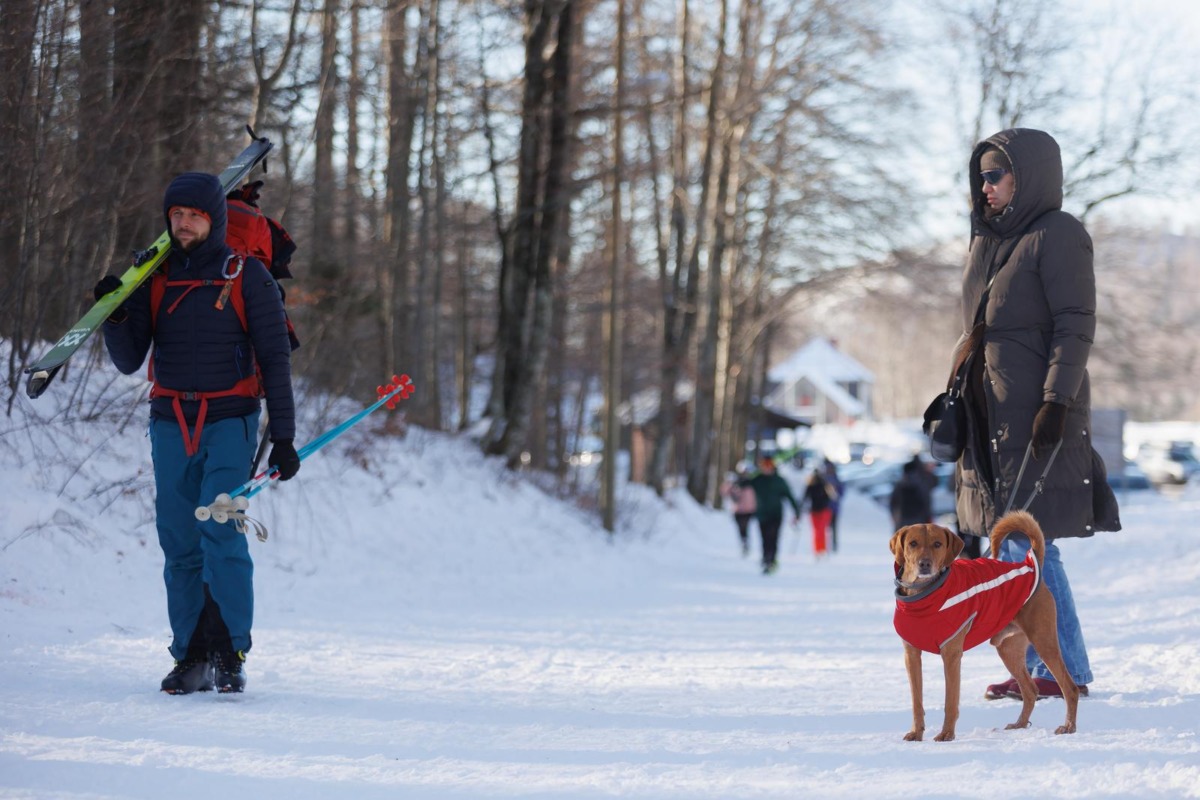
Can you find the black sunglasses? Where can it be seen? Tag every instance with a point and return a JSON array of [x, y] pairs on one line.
[[993, 176]]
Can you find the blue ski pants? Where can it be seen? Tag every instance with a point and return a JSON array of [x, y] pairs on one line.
[[198, 553]]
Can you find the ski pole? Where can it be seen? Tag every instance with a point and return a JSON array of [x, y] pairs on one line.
[[232, 505]]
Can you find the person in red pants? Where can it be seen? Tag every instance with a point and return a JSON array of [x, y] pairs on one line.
[[819, 502]]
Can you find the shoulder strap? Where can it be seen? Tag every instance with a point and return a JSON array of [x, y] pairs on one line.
[[993, 271]]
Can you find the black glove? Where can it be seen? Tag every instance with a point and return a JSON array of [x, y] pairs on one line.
[[285, 458], [1048, 428], [110, 283]]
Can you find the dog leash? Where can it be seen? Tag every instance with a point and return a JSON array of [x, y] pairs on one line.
[[1039, 485]]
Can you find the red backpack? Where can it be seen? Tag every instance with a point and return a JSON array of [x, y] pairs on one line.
[[253, 234]]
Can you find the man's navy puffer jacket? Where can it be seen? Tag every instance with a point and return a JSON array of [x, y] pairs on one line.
[[198, 348]]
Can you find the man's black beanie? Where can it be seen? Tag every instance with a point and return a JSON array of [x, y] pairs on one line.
[[198, 190]]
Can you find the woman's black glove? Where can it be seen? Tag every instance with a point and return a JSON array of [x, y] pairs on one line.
[[284, 458], [1048, 428]]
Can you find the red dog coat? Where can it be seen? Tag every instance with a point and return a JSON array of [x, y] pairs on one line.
[[981, 593]]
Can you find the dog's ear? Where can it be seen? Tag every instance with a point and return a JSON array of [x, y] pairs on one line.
[[897, 545], [954, 542]]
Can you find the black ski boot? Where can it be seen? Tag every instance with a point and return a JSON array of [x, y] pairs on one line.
[[227, 668], [192, 674]]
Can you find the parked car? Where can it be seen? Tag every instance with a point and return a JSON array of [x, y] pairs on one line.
[[1168, 462], [1130, 478]]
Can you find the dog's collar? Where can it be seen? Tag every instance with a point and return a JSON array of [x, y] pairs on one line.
[[923, 587]]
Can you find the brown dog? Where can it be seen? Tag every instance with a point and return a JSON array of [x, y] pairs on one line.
[[947, 606]]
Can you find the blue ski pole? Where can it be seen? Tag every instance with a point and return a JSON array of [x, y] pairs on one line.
[[232, 505]]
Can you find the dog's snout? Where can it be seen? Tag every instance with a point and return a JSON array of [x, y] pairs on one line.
[[925, 565]]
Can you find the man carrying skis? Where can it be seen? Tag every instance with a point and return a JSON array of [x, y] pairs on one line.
[[216, 327]]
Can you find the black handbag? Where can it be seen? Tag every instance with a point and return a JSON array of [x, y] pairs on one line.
[[946, 421]]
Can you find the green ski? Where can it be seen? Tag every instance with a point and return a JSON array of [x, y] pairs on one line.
[[145, 263]]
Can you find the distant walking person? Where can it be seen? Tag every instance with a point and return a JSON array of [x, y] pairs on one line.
[[911, 502], [820, 509], [744, 505], [770, 490], [836, 487]]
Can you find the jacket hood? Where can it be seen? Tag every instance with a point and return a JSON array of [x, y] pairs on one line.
[[203, 191], [1036, 167]]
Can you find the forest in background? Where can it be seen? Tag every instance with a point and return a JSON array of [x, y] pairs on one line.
[[559, 199]]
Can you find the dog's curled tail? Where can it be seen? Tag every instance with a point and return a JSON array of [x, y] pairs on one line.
[[1020, 522]]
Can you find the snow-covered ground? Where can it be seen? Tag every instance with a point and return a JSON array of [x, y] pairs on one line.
[[429, 626]]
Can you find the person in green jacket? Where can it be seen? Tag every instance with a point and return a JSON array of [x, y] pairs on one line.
[[770, 490]]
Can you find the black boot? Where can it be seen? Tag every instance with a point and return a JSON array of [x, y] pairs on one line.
[[228, 673], [192, 674]]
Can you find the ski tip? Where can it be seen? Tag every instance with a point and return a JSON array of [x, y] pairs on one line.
[[37, 383]]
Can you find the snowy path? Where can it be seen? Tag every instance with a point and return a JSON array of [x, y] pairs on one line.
[[510, 652]]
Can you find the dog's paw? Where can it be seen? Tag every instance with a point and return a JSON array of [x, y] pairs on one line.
[[1065, 728], [914, 736], [1016, 726], [944, 736]]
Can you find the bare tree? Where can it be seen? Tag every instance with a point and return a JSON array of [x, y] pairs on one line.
[[526, 292], [394, 269], [326, 267], [613, 317], [17, 136], [266, 79], [679, 281]]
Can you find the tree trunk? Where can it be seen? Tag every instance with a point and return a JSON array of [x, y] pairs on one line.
[[613, 317], [182, 95], [325, 267], [465, 352], [543, 249], [515, 280], [526, 285], [352, 203], [679, 288], [699, 450], [90, 245], [17, 38], [136, 25], [394, 272], [428, 192], [713, 362]]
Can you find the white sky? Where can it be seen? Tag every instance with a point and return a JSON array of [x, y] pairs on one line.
[[938, 128]]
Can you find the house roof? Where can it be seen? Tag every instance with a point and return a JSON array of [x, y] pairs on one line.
[[819, 358], [826, 368]]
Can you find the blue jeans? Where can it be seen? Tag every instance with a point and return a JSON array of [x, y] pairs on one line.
[[1070, 635], [203, 553]]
